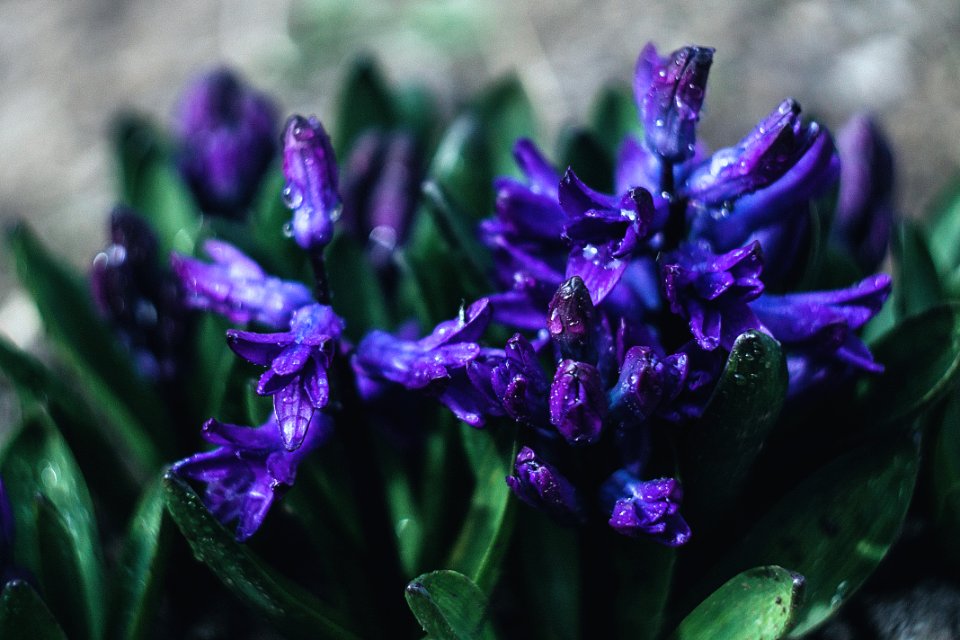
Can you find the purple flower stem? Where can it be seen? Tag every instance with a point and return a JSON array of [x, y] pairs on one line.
[[321, 289]]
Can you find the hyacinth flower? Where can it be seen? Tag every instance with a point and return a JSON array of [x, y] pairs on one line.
[[311, 190], [226, 138], [139, 299], [297, 362], [543, 487], [236, 287], [817, 330], [864, 214], [646, 508], [249, 469]]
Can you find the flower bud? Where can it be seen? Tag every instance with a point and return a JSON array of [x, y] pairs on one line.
[[646, 508], [541, 486], [577, 402], [571, 320], [311, 191]]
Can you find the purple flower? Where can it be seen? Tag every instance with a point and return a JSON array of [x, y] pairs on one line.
[[578, 404], [648, 508], [670, 92], [712, 291], [236, 287], [817, 330], [227, 137], [572, 321], [647, 383], [415, 364], [637, 166], [541, 486], [297, 362], [140, 300], [311, 192], [249, 469], [864, 213], [514, 382]]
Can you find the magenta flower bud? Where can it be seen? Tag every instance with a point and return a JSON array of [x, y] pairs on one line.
[[311, 192], [578, 404], [572, 321], [540, 485], [670, 92], [227, 138]]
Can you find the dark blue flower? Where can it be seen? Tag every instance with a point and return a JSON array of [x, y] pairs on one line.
[[540, 485], [311, 192], [712, 291], [236, 287], [578, 404], [249, 469], [297, 362], [226, 135], [648, 508], [670, 93], [513, 382], [646, 383]]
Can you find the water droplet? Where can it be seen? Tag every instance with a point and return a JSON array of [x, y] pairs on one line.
[[292, 197], [336, 213], [288, 230]]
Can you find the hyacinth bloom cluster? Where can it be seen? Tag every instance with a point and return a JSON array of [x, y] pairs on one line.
[[631, 301]]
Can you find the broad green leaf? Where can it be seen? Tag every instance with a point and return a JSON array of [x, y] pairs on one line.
[[365, 103], [921, 359], [150, 184], [56, 529], [417, 112], [267, 230], [24, 616], [463, 166], [354, 288], [138, 578], [758, 604], [944, 229], [293, 611], [459, 232], [945, 487], [917, 283], [834, 528], [551, 575], [105, 371], [644, 575], [485, 534], [581, 151], [449, 606], [506, 115], [614, 117], [725, 442], [80, 423]]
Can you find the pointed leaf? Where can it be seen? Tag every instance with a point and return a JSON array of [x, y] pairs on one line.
[[505, 112], [23, 614], [138, 579], [614, 117], [354, 288], [292, 610], [365, 103], [758, 604], [944, 229], [918, 285], [582, 151], [551, 575], [725, 442], [449, 606], [460, 233]]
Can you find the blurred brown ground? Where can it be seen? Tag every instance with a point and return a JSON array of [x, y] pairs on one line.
[[67, 65]]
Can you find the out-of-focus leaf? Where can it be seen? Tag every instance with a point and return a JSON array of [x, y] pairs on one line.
[[460, 233], [365, 103], [834, 528], [551, 575], [758, 604], [918, 285], [449, 606], [583, 152], [139, 574], [505, 113], [56, 529], [293, 611], [417, 111], [644, 576], [463, 165], [24, 616], [355, 291], [106, 372], [724, 444], [614, 117], [921, 356], [150, 184], [485, 534], [944, 227], [945, 486]]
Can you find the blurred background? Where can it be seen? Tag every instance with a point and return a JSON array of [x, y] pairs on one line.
[[66, 67]]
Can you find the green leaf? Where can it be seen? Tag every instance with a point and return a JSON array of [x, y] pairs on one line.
[[150, 184], [921, 359], [946, 479], [835, 527], [460, 233], [365, 103], [614, 117], [449, 606], [758, 604], [289, 608], [484, 538], [138, 579], [581, 151], [505, 113], [725, 442], [24, 616], [644, 576], [56, 535], [551, 575], [917, 283], [944, 229], [463, 165], [354, 288], [89, 345]]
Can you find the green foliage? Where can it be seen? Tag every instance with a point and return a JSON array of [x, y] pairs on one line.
[[449, 606]]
